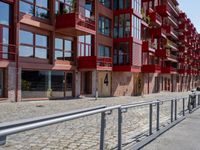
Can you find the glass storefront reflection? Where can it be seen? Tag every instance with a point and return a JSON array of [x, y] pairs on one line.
[[40, 84]]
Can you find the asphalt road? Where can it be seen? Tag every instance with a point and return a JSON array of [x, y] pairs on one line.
[[184, 136]]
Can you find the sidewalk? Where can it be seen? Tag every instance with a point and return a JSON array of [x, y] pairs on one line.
[[184, 136]]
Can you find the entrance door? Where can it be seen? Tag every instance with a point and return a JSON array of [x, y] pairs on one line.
[[86, 82], [68, 84], [1, 83]]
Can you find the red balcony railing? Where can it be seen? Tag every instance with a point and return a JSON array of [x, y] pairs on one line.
[[7, 52], [158, 32], [164, 53], [151, 68], [93, 62], [148, 46], [163, 10], [168, 69], [155, 18]]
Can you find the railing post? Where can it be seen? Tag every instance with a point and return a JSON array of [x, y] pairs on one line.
[[2, 140], [199, 99], [189, 103], [175, 112], [172, 110], [183, 106], [102, 134], [150, 118], [158, 117], [119, 129]]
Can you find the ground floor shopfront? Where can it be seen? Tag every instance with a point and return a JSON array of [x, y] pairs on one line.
[[36, 84]]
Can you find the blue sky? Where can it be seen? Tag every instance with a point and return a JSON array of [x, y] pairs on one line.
[[192, 9]]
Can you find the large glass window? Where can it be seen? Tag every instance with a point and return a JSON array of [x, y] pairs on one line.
[[136, 4], [64, 6], [122, 4], [33, 45], [85, 45], [5, 21], [122, 26], [39, 84], [104, 51], [35, 8], [104, 26], [121, 53], [63, 49], [106, 3], [136, 29]]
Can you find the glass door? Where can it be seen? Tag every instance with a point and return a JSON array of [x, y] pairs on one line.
[[1, 83]]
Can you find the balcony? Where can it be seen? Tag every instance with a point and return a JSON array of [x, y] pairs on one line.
[[183, 17], [158, 32], [183, 39], [76, 23], [155, 18], [182, 27], [168, 70], [151, 68], [163, 53], [163, 10], [181, 60], [94, 62], [148, 46], [7, 52], [182, 48], [182, 71], [170, 32], [172, 45]]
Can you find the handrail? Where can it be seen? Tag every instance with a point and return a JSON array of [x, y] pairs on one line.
[[29, 124], [38, 119]]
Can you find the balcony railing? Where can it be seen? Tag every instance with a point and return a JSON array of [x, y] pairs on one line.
[[104, 61], [7, 52]]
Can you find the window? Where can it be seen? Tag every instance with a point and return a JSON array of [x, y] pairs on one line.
[[104, 51], [121, 53], [122, 4], [33, 45], [106, 3], [122, 26], [136, 4], [64, 6], [85, 45], [104, 26], [35, 8], [63, 49], [136, 32], [5, 21]]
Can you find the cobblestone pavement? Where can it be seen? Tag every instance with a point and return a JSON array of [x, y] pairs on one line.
[[81, 134]]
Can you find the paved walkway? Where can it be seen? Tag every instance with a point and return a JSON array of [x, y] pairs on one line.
[[184, 136], [81, 134]]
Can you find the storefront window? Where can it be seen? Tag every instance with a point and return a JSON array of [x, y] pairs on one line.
[[1, 83], [39, 84], [33, 45], [35, 8]]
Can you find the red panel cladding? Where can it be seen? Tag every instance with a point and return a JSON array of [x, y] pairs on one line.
[[151, 69], [65, 20], [87, 62], [145, 46], [163, 10]]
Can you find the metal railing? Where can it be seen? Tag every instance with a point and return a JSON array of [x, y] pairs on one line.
[[177, 108]]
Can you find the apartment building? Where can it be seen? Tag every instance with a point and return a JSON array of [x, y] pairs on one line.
[[67, 48]]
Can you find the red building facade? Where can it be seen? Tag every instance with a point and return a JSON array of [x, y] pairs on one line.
[[67, 48]]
